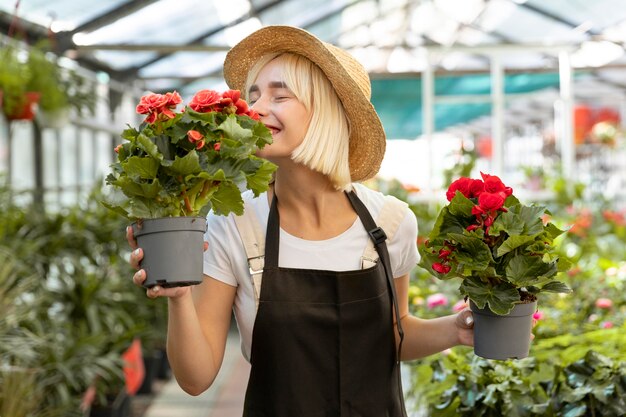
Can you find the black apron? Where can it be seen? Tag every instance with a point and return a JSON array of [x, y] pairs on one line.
[[323, 342]]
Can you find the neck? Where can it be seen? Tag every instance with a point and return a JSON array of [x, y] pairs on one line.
[[309, 202]]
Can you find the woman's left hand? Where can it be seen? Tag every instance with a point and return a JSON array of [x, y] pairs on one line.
[[465, 327]]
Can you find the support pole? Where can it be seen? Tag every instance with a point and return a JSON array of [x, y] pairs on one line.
[[428, 119], [497, 115], [567, 111]]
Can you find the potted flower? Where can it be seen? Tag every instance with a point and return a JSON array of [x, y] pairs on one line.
[[504, 254], [176, 167]]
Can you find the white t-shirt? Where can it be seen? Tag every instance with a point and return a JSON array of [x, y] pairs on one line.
[[226, 259]]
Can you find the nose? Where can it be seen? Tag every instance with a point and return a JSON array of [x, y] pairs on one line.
[[260, 106]]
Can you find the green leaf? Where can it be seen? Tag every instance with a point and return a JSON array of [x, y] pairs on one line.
[[514, 242], [556, 286], [146, 144], [231, 129], [472, 252], [500, 298], [227, 199], [188, 164], [141, 167], [461, 205], [523, 270], [258, 181]]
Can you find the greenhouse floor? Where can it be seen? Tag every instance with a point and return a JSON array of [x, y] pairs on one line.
[[224, 399]]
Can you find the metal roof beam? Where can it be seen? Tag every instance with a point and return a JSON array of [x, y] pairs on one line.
[[556, 18], [111, 16], [132, 72]]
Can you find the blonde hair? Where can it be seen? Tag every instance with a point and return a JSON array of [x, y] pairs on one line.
[[326, 144]]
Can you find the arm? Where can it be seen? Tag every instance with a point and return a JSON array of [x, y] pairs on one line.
[[198, 324], [423, 337]]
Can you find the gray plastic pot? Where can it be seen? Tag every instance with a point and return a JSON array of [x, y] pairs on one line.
[[503, 337], [173, 249]]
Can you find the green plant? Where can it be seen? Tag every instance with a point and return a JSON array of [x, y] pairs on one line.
[[14, 78], [583, 375], [500, 248], [34, 69], [186, 163]]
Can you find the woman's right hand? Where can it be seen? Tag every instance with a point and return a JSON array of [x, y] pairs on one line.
[[140, 276]]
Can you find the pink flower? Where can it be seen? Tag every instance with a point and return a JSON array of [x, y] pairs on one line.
[[538, 315], [435, 300], [117, 148], [604, 303], [459, 306], [607, 324]]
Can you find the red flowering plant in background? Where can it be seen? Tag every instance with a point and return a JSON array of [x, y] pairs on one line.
[[184, 163], [501, 249]]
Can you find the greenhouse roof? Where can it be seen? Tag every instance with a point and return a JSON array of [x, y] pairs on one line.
[[180, 44]]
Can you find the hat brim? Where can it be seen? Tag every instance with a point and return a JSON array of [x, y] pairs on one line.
[[367, 136]]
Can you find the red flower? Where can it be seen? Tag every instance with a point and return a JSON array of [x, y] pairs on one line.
[[217, 146], [156, 105], [442, 269], [196, 138], [469, 187], [444, 253], [117, 148], [462, 184], [493, 184], [205, 101], [231, 100], [488, 202], [253, 115]]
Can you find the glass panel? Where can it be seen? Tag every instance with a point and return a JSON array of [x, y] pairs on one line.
[[601, 13], [67, 14], [22, 156], [50, 159], [69, 156], [513, 23]]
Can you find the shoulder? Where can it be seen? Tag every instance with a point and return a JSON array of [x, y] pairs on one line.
[[375, 201]]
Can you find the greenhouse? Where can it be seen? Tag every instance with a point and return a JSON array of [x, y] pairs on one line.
[[479, 174]]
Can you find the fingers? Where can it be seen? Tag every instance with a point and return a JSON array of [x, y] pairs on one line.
[[139, 277], [130, 237], [158, 291], [135, 258], [465, 319]]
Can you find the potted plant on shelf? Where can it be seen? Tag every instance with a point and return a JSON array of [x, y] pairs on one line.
[[504, 254], [176, 167]]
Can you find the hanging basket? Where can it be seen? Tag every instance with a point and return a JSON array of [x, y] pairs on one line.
[[503, 337], [28, 109], [173, 250]]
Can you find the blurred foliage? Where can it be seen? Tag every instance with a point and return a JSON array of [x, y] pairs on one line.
[[68, 306]]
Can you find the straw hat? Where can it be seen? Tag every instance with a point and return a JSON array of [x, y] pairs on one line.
[[346, 74]]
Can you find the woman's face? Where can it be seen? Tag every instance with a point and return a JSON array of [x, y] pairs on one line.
[[279, 110]]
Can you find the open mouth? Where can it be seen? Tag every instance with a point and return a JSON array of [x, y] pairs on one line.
[[274, 130]]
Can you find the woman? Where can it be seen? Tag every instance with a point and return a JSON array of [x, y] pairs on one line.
[[316, 308]]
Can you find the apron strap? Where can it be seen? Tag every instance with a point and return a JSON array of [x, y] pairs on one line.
[[251, 233], [389, 219], [254, 244], [378, 236]]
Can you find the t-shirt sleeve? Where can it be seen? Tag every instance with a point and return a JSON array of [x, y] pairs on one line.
[[217, 262], [405, 238]]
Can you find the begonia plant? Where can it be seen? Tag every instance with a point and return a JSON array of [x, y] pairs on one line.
[[502, 250], [187, 162]]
